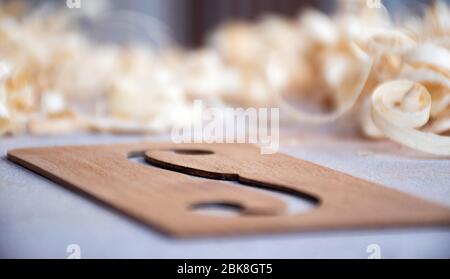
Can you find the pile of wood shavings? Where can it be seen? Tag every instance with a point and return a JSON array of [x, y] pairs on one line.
[[396, 76]]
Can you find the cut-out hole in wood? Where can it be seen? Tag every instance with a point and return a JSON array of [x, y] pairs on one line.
[[219, 209], [193, 152], [295, 202]]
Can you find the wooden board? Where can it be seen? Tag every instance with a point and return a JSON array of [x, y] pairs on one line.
[[163, 193]]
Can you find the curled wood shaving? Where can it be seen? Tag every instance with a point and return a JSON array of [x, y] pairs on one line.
[[346, 102], [399, 108]]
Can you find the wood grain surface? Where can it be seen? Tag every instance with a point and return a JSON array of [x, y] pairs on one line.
[[163, 193]]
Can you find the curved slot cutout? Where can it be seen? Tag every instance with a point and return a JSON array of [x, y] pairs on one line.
[[193, 152], [217, 209], [297, 202]]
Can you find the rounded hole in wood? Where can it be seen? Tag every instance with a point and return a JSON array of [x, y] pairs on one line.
[[194, 152], [217, 209], [297, 201]]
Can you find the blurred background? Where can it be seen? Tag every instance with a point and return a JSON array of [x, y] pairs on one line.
[[192, 20], [296, 53]]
